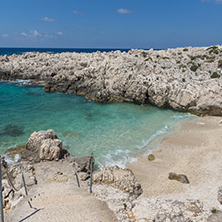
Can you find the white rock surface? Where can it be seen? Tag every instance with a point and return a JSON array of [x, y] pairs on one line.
[[177, 78]]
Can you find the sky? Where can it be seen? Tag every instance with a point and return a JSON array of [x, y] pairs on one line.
[[124, 24]]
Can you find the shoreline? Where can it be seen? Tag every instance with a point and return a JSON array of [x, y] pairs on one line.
[[183, 79], [195, 151]]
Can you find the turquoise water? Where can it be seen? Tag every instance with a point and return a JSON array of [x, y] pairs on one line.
[[116, 133]]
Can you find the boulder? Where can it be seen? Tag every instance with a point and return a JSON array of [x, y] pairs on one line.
[[43, 145], [117, 177], [179, 177], [82, 164]]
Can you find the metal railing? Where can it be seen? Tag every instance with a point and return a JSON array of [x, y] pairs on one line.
[[22, 181]]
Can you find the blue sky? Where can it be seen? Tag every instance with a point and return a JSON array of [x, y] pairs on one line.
[[110, 24]]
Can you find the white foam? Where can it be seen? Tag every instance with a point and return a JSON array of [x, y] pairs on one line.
[[10, 160], [159, 132], [118, 157]]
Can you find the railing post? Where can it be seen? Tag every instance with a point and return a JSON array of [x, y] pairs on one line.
[[1, 199], [23, 180], [77, 178], [91, 169]]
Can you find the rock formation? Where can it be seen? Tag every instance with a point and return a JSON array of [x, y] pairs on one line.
[[117, 177], [185, 79], [179, 177], [43, 145]]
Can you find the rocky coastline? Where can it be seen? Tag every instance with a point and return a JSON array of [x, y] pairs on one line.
[[145, 191], [184, 79], [44, 162]]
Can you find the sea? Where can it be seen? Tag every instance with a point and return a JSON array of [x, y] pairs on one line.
[[116, 133]]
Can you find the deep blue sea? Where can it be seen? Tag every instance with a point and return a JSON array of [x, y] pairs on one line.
[[19, 51], [116, 133]]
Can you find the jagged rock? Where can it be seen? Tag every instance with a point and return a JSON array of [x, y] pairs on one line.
[[12, 179], [179, 177], [117, 177], [43, 145], [82, 164], [160, 210], [163, 78]]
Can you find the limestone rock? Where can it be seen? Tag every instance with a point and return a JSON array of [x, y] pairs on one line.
[[43, 145], [179, 177], [164, 78], [160, 210], [50, 149], [117, 177], [83, 163], [10, 196]]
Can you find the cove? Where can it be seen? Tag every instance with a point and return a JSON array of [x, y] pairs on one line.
[[116, 133]]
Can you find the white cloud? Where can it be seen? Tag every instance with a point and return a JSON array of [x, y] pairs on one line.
[[23, 34], [5, 35], [46, 19], [77, 13], [49, 36], [123, 11], [59, 33], [34, 33]]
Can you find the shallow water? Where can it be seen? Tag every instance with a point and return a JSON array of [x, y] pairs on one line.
[[116, 133]]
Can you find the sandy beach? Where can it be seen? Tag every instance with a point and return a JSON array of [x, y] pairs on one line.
[[196, 151]]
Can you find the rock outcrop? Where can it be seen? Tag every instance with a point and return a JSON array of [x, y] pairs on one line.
[[179, 177], [117, 177], [43, 145], [185, 79]]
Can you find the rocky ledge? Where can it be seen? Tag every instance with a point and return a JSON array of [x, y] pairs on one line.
[[52, 190], [43, 160], [184, 79]]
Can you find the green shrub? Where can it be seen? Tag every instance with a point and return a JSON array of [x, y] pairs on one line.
[[194, 68], [213, 51], [215, 75], [210, 58], [193, 58], [200, 57], [212, 48], [220, 64], [166, 58], [144, 54], [214, 210], [185, 50], [178, 62], [183, 79], [182, 66]]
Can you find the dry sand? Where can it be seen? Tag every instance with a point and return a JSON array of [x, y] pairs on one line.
[[196, 151]]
